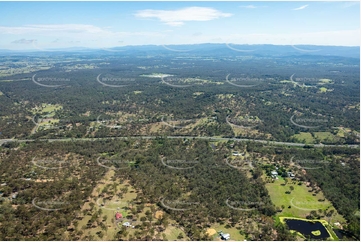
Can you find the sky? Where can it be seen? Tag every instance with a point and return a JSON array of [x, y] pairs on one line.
[[49, 25]]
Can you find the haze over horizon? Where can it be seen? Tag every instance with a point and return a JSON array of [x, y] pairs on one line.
[[56, 25]]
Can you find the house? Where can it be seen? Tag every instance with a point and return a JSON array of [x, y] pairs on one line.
[[291, 175], [118, 216], [127, 224], [274, 174], [224, 236], [236, 153]]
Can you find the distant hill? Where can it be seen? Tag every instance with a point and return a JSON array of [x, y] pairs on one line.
[[242, 50], [216, 50]]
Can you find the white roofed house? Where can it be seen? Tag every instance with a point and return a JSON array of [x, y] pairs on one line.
[[224, 236], [274, 174], [127, 224], [291, 175], [236, 153], [14, 195]]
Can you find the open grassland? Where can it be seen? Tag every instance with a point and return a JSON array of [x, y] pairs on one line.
[[304, 137], [46, 108], [323, 89], [325, 136], [324, 81], [300, 202], [310, 138], [233, 232]]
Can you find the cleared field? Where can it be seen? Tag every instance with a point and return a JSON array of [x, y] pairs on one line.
[[325, 136], [325, 81], [46, 108], [172, 233], [323, 89], [198, 93], [305, 137], [225, 96], [48, 122], [295, 84], [301, 201], [340, 133], [233, 232], [310, 139]]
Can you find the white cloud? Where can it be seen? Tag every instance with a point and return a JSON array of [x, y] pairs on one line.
[[248, 6], [350, 4], [178, 17], [62, 36], [66, 35], [71, 30], [24, 41], [175, 24], [63, 28], [302, 7]]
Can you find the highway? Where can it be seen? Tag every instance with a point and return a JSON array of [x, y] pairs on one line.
[[267, 142]]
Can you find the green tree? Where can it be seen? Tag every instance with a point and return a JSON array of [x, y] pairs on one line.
[[291, 188], [180, 236]]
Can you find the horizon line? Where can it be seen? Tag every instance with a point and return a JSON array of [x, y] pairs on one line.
[[162, 45]]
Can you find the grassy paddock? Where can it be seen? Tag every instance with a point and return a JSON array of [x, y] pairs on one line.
[[301, 201]]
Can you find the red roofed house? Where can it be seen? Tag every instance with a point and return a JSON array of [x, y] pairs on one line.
[[118, 216]]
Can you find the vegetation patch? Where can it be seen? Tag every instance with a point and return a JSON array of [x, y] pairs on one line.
[[295, 199], [305, 137]]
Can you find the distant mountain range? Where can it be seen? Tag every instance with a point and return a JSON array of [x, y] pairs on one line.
[[212, 50]]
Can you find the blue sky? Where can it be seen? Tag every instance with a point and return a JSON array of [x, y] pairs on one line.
[[43, 25]]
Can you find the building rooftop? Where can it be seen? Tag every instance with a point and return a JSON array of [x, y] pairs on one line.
[[226, 236]]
